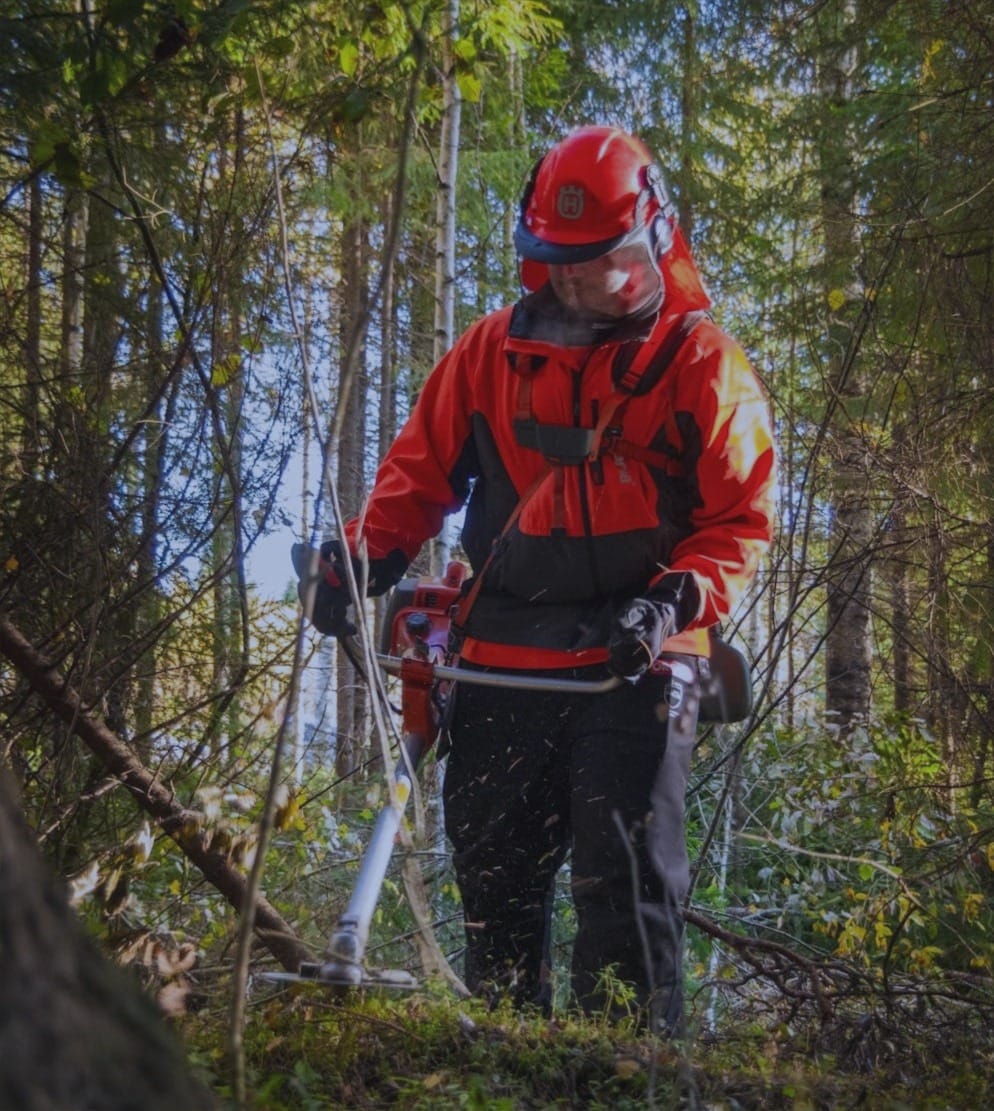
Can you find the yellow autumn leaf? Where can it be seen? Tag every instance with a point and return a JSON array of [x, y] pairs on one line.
[[11, 564], [626, 1067], [286, 811], [972, 904], [921, 960], [836, 299], [928, 67], [470, 87]]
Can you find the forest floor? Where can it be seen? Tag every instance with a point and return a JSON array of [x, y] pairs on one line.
[[306, 1051]]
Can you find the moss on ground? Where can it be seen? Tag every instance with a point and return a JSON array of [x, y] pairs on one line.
[[306, 1051]]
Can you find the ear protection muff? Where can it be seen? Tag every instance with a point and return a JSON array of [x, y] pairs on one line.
[[660, 226], [660, 235], [526, 196], [533, 275]]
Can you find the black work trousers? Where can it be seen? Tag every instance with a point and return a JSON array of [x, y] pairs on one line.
[[533, 777]]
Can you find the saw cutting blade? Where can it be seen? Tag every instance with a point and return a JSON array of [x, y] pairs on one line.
[[336, 977]]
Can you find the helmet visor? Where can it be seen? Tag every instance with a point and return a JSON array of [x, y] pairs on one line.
[[530, 246], [614, 284]]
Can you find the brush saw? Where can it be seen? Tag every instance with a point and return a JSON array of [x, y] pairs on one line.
[[414, 648]]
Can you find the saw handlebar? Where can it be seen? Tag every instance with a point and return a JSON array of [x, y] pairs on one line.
[[394, 665]]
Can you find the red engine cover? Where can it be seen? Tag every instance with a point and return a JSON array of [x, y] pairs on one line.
[[434, 599]]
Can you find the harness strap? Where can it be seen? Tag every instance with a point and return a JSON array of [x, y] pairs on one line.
[[572, 445], [629, 381], [627, 388], [523, 410], [612, 406], [658, 460], [656, 361], [461, 610]]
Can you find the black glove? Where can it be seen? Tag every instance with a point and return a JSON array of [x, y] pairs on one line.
[[322, 588], [639, 629], [641, 625], [328, 612]]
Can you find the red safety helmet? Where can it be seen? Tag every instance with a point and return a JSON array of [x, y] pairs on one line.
[[593, 192]]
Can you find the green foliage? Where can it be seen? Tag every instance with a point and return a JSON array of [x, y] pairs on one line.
[[308, 1050], [151, 398], [861, 849]]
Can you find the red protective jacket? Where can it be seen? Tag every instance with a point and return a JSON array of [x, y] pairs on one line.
[[599, 531]]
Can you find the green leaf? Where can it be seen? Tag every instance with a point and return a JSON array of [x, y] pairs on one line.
[[224, 371], [348, 56], [470, 87], [41, 146], [66, 165], [76, 399]]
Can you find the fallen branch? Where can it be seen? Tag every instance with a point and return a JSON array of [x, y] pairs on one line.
[[749, 949], [182, 824]]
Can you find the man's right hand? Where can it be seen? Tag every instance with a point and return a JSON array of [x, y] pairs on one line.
[[322, 587], [639, 630]]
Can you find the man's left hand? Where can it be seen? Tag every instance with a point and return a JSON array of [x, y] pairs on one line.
[[322, 589]]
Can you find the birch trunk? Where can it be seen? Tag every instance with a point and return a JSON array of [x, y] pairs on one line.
[[351, 701], [225, 401], [445, 231]]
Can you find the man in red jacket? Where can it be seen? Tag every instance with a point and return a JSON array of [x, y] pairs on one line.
[[613, 450]]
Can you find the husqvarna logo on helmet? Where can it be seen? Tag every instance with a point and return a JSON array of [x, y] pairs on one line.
[[569, 204]]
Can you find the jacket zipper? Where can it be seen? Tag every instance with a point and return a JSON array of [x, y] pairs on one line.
[[584, 484]]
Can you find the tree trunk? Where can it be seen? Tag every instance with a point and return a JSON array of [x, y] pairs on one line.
[[104, 322], [984, 694], [445, 199], [688, 117], [445, 228], [226, 392], [901, 633], [73, 245], [153, 453], [350, 474], [940, 713], [388, 364], [75, 1031], [847, 647], [30, 446]]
